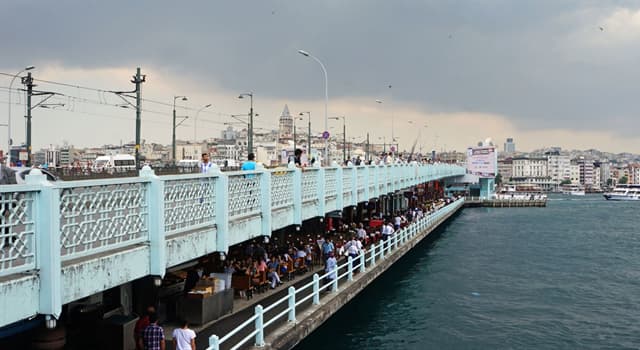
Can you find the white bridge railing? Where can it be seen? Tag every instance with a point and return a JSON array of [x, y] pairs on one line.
[[256, 324]]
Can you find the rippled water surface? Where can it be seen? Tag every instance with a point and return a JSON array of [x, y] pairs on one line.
[[562, 277]]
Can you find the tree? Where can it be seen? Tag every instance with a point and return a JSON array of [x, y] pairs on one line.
[[609, 181], [499, 179], [565, 182], [623, 180]]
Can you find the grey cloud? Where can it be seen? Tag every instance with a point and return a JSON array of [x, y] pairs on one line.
[[504, 57]]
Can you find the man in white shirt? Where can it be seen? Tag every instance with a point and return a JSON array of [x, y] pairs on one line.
[[205, 163], [184, 338], [361, 233], [352, 248]]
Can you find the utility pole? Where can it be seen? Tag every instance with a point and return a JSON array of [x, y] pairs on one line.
[[250, 143], [294, 135], [344, 140], [28, 81], [250, 126], [367, 156], [138, 79], [309, 138]]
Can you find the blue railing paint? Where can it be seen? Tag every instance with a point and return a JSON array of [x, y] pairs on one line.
[[125, 226]]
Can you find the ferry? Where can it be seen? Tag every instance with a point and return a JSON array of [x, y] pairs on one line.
[[624, 193], [573, 189], [521, 192]]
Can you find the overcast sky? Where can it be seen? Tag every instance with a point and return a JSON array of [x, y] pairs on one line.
[[547, 73]]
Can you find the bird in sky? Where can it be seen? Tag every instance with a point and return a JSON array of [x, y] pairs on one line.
[[601, 29]]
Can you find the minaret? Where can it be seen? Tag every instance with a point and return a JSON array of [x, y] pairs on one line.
[[285, 132]]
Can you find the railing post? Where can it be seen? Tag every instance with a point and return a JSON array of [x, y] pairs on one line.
[[316, 289], [265, 206], [292, 304], [297, 194], [339, 187], [46, 211], [382, 248], [354, 184], [334, 286], [155, 197], [322, 199], [259, 326], [214, 342], [373, 254], [350, 269], [221, 209], [362, 262]]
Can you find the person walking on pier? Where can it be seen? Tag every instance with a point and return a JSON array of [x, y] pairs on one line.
[[141, 324], [153, 335], [184, 338], [331, 267]]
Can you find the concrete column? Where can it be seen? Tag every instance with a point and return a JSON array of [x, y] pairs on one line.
[[157, 244], [47, 244]]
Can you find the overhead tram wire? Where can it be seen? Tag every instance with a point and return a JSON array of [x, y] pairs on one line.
[[102, 100]]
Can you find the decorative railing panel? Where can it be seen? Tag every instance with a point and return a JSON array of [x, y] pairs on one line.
[[244, 194], [360, 178], [95, 218], [189, 203], [347, 182], [330, 182], [17, 230], [281, 189], [310, 184], [371, 180]]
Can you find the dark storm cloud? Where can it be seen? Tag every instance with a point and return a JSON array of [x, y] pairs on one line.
[[513, 58]]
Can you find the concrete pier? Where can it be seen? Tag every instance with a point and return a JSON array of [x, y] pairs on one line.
[[504, 203]]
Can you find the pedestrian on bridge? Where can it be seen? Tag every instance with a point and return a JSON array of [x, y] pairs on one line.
[[153, 335], [184, 338]]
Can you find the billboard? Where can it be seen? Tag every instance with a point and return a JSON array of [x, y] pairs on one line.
[[482, 161]]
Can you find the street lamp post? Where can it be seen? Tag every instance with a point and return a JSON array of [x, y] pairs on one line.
[[326, 102], [309, 131], [9, 113], [344, 136], [173, 139], [384, 143], [195, 122], [294, 135], [250, 131]]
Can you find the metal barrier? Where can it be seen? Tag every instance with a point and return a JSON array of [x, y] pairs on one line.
[[293, 298]]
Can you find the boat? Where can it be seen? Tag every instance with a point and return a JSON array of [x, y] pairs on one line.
[[627, 192], [573, 189], [521, 192]]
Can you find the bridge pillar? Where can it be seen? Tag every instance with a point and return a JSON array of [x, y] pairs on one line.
[[47, 238], [265, 205], [297, 194], [221, 209], [155, 200]]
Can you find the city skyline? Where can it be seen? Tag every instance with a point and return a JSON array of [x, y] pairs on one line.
[[543, 73]]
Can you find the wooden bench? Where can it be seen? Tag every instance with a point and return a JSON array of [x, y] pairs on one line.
[[243, 285]]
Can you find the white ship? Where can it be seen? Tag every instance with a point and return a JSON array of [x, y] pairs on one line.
[[624, 193], [574, 190]]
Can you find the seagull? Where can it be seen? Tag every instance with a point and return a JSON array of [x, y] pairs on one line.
[[601, 29]]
